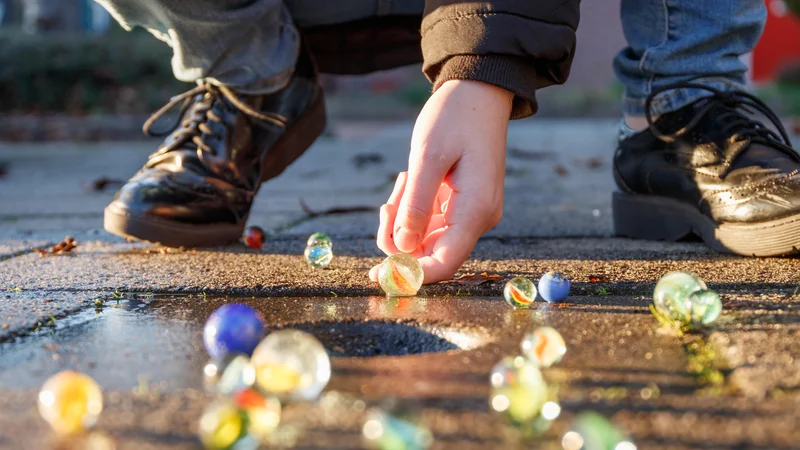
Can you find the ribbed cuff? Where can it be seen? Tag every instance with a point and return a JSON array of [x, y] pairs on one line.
[[511, 73]]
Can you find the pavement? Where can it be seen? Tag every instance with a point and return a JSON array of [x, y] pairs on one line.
[[131, 314]]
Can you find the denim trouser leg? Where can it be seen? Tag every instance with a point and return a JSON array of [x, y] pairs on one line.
[[670, 41], [250, 45], [221, 41]]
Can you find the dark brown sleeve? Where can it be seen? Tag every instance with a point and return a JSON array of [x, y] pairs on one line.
[[519, 45]]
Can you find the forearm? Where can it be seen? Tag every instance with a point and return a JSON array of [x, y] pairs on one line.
[[518, 46]]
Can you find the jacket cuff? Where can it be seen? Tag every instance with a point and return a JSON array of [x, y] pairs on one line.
[[511, 73]]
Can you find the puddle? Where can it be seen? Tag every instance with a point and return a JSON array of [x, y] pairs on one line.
[[366, 339], [158, 343]]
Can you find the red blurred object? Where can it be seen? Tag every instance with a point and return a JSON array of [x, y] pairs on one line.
[[779, 46], [254, 237]]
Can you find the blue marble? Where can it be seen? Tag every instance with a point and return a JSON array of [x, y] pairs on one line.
[[233, 328], [553, 287]]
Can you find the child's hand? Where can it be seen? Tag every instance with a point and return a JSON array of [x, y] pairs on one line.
[[453, 190]]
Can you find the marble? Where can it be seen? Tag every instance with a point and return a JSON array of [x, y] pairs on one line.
[[400, 275], [291, 365], [70, 402]]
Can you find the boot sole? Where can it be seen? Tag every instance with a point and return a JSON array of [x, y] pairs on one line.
[[297, 139], [659, 218]]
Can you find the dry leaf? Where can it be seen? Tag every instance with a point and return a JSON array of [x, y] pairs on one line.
[[51, 347], [477, 279], [561, 170], [64, 247], [598, 278]]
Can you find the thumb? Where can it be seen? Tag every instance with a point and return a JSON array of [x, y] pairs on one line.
[[414, 213]]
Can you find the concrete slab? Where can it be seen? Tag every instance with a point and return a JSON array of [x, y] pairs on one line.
[[46, 185]]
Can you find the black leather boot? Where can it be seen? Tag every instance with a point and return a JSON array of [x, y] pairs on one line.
[[710, 170], [197, 188]]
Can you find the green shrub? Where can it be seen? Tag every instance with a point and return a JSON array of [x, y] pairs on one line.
[[82, 74]]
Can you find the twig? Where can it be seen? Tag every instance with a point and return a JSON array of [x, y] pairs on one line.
[[335, 211]]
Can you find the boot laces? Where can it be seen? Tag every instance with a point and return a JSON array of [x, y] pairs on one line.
[[729, 119], [195, 127]]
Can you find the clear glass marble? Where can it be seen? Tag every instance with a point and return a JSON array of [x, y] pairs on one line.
[[671, 295], [292, 365], [70, 402], [319, 238], [229, 375], [385, 431], [400, 275], [318, 256], [544, 346], [520, 292], [705, 307], [518, 389]]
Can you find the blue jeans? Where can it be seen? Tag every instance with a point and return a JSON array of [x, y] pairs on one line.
[[250, 45], [671, 41]]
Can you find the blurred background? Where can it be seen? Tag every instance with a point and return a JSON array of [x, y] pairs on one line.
[[68, 71]]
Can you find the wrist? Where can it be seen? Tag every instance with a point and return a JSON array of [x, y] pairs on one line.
[[481, 93]]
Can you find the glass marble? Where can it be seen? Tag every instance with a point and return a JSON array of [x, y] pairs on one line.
[[518, 389], [400, 275], [385, 431], [223, 426], [292, 365], [544, 347], [319, 238], [233, 328], [520, 292], [262, 413], [70, 402], [318, 255], [671, 295], [254, 237], [231, 374], [704, 307], [592, 431], [553, 287]]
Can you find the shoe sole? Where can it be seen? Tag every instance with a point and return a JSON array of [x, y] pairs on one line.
[[659, 218], [297, 139]]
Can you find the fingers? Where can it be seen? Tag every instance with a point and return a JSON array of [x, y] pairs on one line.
[[468, 215], [426, 173], [373, 274], [387, 218], [443, 199], [437, 221], [388, 212], [399, 188], [451, 246]]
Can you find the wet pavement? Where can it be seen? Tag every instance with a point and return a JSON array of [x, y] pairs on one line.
[[735, 387], [131, 314]]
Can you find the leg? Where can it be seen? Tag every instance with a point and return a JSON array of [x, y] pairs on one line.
[[220, 41], [256, 108], [701, 165], [671, 41]]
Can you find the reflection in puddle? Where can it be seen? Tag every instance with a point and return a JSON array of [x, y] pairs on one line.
[[705, 363], [156, 343]]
